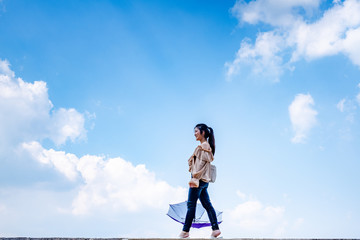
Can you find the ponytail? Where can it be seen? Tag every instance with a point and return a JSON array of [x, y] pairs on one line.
[[209, 135], [211, 140]]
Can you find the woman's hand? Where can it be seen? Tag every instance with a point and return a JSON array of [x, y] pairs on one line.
[[192, 185]]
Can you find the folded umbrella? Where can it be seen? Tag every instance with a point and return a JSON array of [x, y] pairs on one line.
[[178, 213]]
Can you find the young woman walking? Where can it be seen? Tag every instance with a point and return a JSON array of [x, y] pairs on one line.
[[199, 166]]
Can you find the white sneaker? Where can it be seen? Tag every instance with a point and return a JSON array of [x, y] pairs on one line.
[[215, 233], [184, 234]]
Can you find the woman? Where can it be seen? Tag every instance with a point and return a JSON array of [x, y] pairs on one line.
[[199, 166]]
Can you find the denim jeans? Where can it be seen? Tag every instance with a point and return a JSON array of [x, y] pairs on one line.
[[202, 194]]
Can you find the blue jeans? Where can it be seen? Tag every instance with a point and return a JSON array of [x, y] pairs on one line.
[[202, 194]]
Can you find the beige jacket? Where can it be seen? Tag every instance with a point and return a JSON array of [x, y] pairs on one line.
[[199, 164]]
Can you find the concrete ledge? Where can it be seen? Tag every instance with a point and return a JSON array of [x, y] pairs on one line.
[[27, 238]]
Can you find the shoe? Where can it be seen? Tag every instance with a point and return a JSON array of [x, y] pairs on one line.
[[184, 234], [215, 233]]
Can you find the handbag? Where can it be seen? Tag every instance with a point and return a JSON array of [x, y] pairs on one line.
[[212, 173]]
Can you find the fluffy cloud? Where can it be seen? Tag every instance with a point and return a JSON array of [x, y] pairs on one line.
[[262, 57], [112, 183], [294, 36], [67, 124], [254, 218], [105, 184], [302, 116], [336, 32], [27, 114], [65, 163], [5, 69]]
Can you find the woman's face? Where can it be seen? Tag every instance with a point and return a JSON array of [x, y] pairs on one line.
[[198, 135]]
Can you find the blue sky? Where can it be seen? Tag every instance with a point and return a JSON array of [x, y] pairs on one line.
[[98, 101]]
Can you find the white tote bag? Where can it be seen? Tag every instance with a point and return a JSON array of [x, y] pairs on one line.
[[212, 173]]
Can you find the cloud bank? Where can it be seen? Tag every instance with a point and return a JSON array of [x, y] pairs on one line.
[[26, 113], [27, 117], [112, 183], [295, 35]]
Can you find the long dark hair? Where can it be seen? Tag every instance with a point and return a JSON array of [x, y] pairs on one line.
[[209, 135]]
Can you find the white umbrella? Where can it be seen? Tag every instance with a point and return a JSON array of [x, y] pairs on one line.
[[178, 213]]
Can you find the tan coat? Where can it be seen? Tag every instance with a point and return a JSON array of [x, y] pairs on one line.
[[199, 164]]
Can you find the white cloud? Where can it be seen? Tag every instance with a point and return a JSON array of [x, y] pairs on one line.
[[26, 113], [350, 45], [67, 124], [275, 13], [262, 57], [111, 183], [294, 36], [348, 106], [5, 69], [103, 187], [256, 219], [64, 163], [341, 105], [336, 32], [302, 116]]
